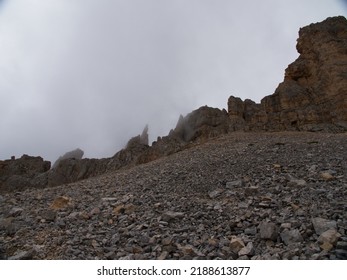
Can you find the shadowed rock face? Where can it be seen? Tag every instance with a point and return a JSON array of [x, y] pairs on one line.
[[17, 174], [313, 95]]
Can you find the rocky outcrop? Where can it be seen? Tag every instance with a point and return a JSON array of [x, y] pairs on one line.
[[75, 154], [202, 124], [17, 174], [246, 115], [313, 95], [197, 126]]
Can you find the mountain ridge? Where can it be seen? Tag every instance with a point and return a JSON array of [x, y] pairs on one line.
[[312, 97]]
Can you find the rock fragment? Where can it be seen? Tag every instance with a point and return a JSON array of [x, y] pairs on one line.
[[321, 225], [268, 230]]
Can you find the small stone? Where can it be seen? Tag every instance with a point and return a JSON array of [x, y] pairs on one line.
[[234, 184], [341, 254], [109, 199], [327, 176], [124, 209], [297, 183], [49, 215], [215, 193], [83, 215], [60, 203], [212, 242], [119, 209], [248, 250], [236, 244], [286, 225], [167, 241], [8, 226], [321, 225], [23, 255], [251, 231], [170, 215], [341, 245], [188, 250], [252, 190], [291, 236], [163, 255], [15, 211], [330, 236], [137, 249], [326, 246], [95, 211], [268, 230]]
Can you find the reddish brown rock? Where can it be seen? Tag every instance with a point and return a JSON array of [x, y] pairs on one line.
[[313, 95]]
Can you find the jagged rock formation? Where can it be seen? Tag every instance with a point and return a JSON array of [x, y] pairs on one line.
[[74, 154], [17, 174], [313, 95], [197, 126]]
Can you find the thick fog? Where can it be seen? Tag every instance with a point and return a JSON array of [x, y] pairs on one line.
[[90, 74]]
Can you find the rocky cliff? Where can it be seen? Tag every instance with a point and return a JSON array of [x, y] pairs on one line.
[[313, 95]]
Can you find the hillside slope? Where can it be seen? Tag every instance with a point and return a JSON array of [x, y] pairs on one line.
[[243, 195]]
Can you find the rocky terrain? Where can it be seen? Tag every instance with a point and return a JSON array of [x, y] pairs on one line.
[[240, 196], [258, 181]]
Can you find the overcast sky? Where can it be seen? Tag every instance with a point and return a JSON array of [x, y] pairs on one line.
[[92, 73]]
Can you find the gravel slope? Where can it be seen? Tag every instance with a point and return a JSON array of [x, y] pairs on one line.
[[244, 195]]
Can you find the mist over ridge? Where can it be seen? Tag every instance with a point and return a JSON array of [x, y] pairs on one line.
[[93, 75]]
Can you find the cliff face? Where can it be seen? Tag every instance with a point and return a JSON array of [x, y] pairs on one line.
[[313, 95]]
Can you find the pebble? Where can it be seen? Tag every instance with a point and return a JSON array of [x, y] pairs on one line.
[[291, 236], [15, 211], [234, 184], [248, 250], [236, 244], [327, 176], [171, 215]]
